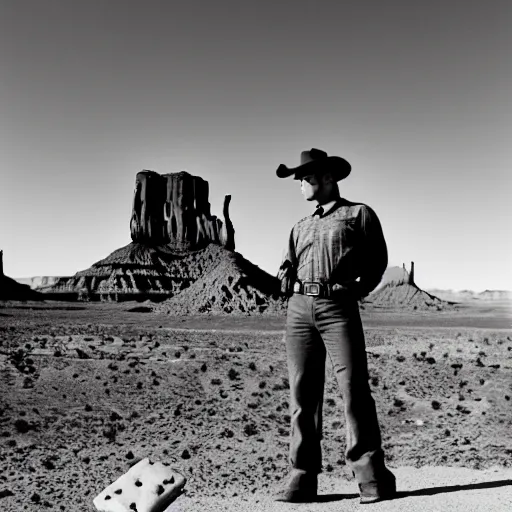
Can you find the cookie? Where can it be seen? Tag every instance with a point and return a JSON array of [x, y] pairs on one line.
[[145, 487]]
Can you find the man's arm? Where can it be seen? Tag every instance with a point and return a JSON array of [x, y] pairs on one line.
[[374, 252], [288, 269]]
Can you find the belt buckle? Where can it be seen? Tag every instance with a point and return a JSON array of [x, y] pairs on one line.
[[312, 289]]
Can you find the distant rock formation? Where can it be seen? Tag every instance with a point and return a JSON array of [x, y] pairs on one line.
[[171, 226], [173, 209], [12, 290], [394, 276], [212, 280], [39, 282], [411, 274], [495, 295], [472, 296], [397, 289]]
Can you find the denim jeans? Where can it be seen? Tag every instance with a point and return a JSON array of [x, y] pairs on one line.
[[316, 327]]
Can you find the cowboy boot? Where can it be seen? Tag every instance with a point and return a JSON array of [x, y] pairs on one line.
[[302, 488], [378, 490]]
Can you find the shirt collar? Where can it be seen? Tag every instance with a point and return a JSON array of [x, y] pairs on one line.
[[327, 207]]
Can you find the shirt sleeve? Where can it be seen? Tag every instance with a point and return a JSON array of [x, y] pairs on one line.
[[374, 252], [288, 269]]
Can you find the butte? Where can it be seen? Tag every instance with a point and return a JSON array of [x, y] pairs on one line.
[[181, 256]]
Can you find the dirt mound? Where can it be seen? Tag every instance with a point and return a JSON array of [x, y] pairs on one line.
[[232, 285]]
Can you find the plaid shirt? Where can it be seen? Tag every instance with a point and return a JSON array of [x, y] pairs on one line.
[[340, 246]]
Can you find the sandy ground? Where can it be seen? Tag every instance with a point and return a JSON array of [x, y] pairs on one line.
[[85, 392], [427, 489]]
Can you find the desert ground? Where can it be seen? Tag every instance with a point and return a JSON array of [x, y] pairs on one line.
[[87, 389]]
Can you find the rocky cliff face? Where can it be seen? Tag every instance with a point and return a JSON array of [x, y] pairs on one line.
[[147, 221], [173, 209], [12, 290]]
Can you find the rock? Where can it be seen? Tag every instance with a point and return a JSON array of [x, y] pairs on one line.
[[228, 232], [397, 289], [173, 209], [147, 223], [182, 257]]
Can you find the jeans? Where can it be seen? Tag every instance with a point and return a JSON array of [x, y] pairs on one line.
[[316, 327]]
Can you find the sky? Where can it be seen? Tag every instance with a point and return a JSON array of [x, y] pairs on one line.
[[415, 95]]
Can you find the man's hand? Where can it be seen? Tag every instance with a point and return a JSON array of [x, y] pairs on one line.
[[286, 275], [351, 288]]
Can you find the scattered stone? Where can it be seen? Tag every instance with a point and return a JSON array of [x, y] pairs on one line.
[[250, 429], [22, 426], [233, 374]]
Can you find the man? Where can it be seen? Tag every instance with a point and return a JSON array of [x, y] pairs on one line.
[[334, 258]]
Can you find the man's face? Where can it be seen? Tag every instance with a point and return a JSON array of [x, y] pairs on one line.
[[310, 186]]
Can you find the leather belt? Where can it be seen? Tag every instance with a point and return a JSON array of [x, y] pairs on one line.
[[316, 289]]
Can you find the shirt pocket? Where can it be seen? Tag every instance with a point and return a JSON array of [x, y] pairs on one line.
[[347, 235]]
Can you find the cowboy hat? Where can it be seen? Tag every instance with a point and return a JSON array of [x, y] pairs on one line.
[[316, 161]]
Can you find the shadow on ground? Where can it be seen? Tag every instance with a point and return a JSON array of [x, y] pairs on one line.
[[430, 491], [326, 498]]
